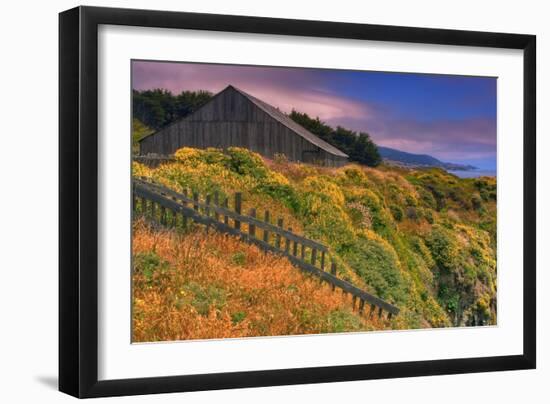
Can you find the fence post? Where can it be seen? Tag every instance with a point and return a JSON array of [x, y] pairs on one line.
[[372, 308], [353, 302], [186, 197], [207, 201], [216, 204], [174, 218], [333, 271], [184, 220], [226, 206], [153, 209], [278, 237], [143, 206], [313, 256], [295, 248], [195, 200], [361, 306], [252, 227], [322, 260], [287, 242], [162, 215], [266, 232], [238, 206], [134, 198], [303, 252], [183, 217]]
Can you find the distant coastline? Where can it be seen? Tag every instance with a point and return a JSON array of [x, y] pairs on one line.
[[411, 160], [473, 173]]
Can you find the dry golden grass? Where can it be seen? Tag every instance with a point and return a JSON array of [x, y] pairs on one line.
[[201, 285]]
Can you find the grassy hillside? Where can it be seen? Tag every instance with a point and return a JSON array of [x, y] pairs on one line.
[[424, 240], [194, 285]]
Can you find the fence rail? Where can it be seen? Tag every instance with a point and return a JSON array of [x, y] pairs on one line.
[[158, 203]]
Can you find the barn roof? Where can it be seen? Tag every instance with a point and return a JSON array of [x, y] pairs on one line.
[[289, 123], [278, 116]]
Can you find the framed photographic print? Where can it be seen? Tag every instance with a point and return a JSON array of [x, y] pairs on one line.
[[251, 201]]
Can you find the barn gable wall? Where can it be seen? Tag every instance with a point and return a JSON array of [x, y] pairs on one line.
[[230, 119]]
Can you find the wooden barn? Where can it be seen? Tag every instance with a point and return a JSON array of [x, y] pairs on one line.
[[235, 118]]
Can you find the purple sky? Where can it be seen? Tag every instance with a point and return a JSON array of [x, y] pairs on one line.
[[452, 118]]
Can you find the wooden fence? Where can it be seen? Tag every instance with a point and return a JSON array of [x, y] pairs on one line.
[[170, 208]]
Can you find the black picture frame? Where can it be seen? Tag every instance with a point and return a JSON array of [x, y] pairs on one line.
[[78, 201]]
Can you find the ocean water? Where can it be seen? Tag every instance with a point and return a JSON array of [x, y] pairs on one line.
[[474, 173]]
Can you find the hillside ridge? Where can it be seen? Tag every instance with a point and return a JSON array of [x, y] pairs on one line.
[[407, 159], [423, 240]]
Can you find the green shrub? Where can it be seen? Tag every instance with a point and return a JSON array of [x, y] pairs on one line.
[[382, 221], [355, 175], [396, 212], [410, 200], [237, 317], [343, 321], [206, 298], [247, 163], [476, 201], [426, 197], [449, 298], [281, 192], [443, 247], [239, 258], [378, 265], [150, 265], [429, 215]]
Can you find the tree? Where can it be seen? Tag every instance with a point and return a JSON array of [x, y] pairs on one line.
[[315, 126], [365, 151], [358, 146], [158, 108]]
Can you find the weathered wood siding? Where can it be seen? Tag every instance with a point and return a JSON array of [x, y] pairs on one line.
[[230, 119]]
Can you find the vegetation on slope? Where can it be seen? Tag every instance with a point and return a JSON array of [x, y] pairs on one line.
[[424, 240], [198, 285]]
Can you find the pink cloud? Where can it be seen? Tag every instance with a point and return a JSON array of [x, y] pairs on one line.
[[275, 86], [449, 139]]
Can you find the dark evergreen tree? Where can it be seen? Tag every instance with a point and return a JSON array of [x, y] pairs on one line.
[[157, 108], [358, 146]]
